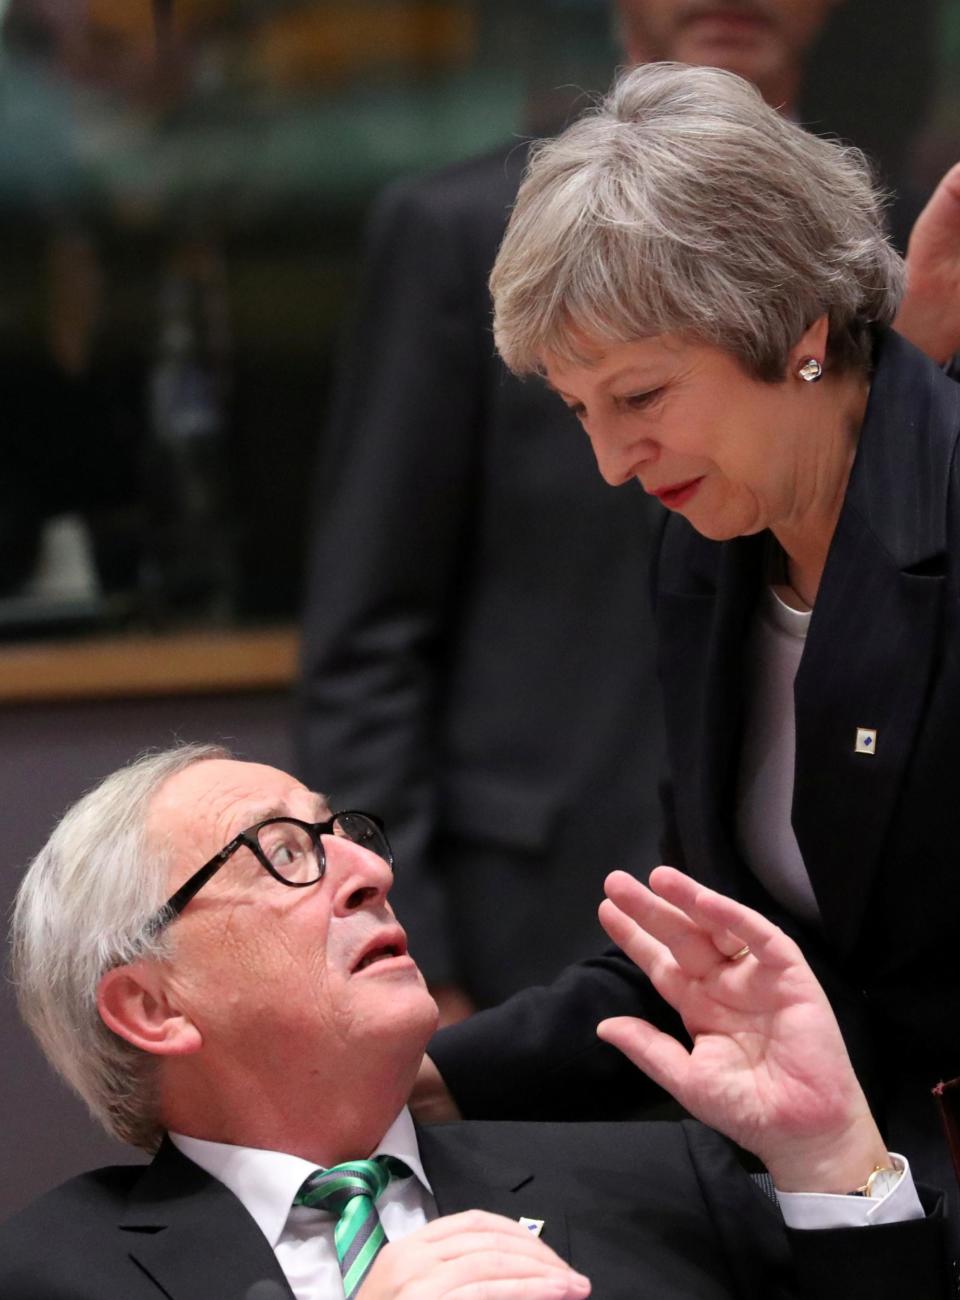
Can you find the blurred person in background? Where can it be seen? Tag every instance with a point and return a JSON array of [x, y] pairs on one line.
[[477, 639]]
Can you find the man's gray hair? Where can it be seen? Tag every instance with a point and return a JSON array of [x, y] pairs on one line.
[[684, 204], [82, 909]]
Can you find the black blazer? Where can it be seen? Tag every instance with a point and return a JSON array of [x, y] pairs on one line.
[[880, 834], [655, 1210], [478, 658]]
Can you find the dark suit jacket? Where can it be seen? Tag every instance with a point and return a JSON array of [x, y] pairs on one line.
[[879, 834], [655, 1210], [477, 640]]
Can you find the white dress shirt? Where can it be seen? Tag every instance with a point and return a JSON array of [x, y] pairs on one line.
[[265, 1182]]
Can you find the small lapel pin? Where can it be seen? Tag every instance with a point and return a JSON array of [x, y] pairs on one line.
[[866, 741], [532, 1225]]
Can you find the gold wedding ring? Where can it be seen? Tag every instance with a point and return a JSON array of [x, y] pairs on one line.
[[741, 952]]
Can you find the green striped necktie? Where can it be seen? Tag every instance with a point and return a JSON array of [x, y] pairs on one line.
[[349, 1191]]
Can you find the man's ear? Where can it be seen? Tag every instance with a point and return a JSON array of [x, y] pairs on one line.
[[134, 1003]]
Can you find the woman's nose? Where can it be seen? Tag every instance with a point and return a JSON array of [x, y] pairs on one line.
[[618, 459]]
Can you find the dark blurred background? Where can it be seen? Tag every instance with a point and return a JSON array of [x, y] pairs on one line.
[[182, 190]]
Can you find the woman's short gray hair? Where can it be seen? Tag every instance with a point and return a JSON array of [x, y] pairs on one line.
[[684, 204], [81, 910]]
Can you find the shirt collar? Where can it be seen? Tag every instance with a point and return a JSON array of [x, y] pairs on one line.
[[265, 1182]]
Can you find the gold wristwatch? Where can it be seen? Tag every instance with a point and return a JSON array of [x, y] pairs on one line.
[[882, 1179]]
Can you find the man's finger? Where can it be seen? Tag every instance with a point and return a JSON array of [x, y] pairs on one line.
[[512, 1272], [690, 945], [721, 915], [482, 1230], [654, 958], [517, 1289], [674, 916], [666, 1061]]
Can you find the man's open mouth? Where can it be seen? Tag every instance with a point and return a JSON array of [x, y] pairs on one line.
[[377, 954]]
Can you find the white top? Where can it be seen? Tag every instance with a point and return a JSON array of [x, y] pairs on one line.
[[265, 1182], [767, 755]]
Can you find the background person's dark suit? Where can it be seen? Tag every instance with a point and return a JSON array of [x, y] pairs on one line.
[[660, 1211], [478, 651], [880, 834]]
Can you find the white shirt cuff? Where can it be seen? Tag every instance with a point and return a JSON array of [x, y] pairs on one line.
[[822, 1210]]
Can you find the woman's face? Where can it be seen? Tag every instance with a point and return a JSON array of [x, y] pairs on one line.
[[727, 451]]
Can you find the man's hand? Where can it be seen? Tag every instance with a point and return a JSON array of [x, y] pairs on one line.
[[430, 1101], [930, 313], [472, 1256], [768, 1066]]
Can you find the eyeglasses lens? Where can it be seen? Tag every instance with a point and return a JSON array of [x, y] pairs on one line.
[[365, 832], [289, 850]]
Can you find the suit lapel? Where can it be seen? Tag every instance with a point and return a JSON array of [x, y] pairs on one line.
[[739, 581], [704, 619], [871, 649], [466, 1175], [193, 1237]]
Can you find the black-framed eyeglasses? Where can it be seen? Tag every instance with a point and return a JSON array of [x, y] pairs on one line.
[[288, 849]]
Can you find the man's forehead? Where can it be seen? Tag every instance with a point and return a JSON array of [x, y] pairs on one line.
[[219, 793]]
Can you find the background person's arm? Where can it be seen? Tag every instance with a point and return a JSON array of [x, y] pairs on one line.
[[537, 1055]]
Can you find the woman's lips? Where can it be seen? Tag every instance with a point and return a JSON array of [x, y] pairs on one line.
[[678, 494]]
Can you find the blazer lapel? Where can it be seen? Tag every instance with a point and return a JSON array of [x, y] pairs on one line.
[[877, 614], [193, 1237], [704, 620], [466, 1175]]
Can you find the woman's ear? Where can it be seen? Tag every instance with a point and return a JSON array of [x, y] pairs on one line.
[[811, 343], [134, 1003]]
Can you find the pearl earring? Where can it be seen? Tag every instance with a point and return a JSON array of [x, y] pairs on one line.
[[810, 370]]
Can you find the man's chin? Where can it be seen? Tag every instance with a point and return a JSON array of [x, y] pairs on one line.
[[429, 1017], [749, 54], [411, 1011]]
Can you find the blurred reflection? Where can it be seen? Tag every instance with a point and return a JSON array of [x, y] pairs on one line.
[[146, 464], [182, 185]]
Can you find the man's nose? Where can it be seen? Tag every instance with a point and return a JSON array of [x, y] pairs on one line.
[[358, 876]]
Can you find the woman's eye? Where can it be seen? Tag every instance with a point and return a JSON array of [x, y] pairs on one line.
[[640, 401]]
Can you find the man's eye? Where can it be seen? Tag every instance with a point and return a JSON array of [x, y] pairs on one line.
[[286, 848]]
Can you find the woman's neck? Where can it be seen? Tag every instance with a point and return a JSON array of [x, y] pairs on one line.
[[822, 474]]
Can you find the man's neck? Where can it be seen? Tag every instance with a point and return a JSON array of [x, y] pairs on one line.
[[323, 1121]]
